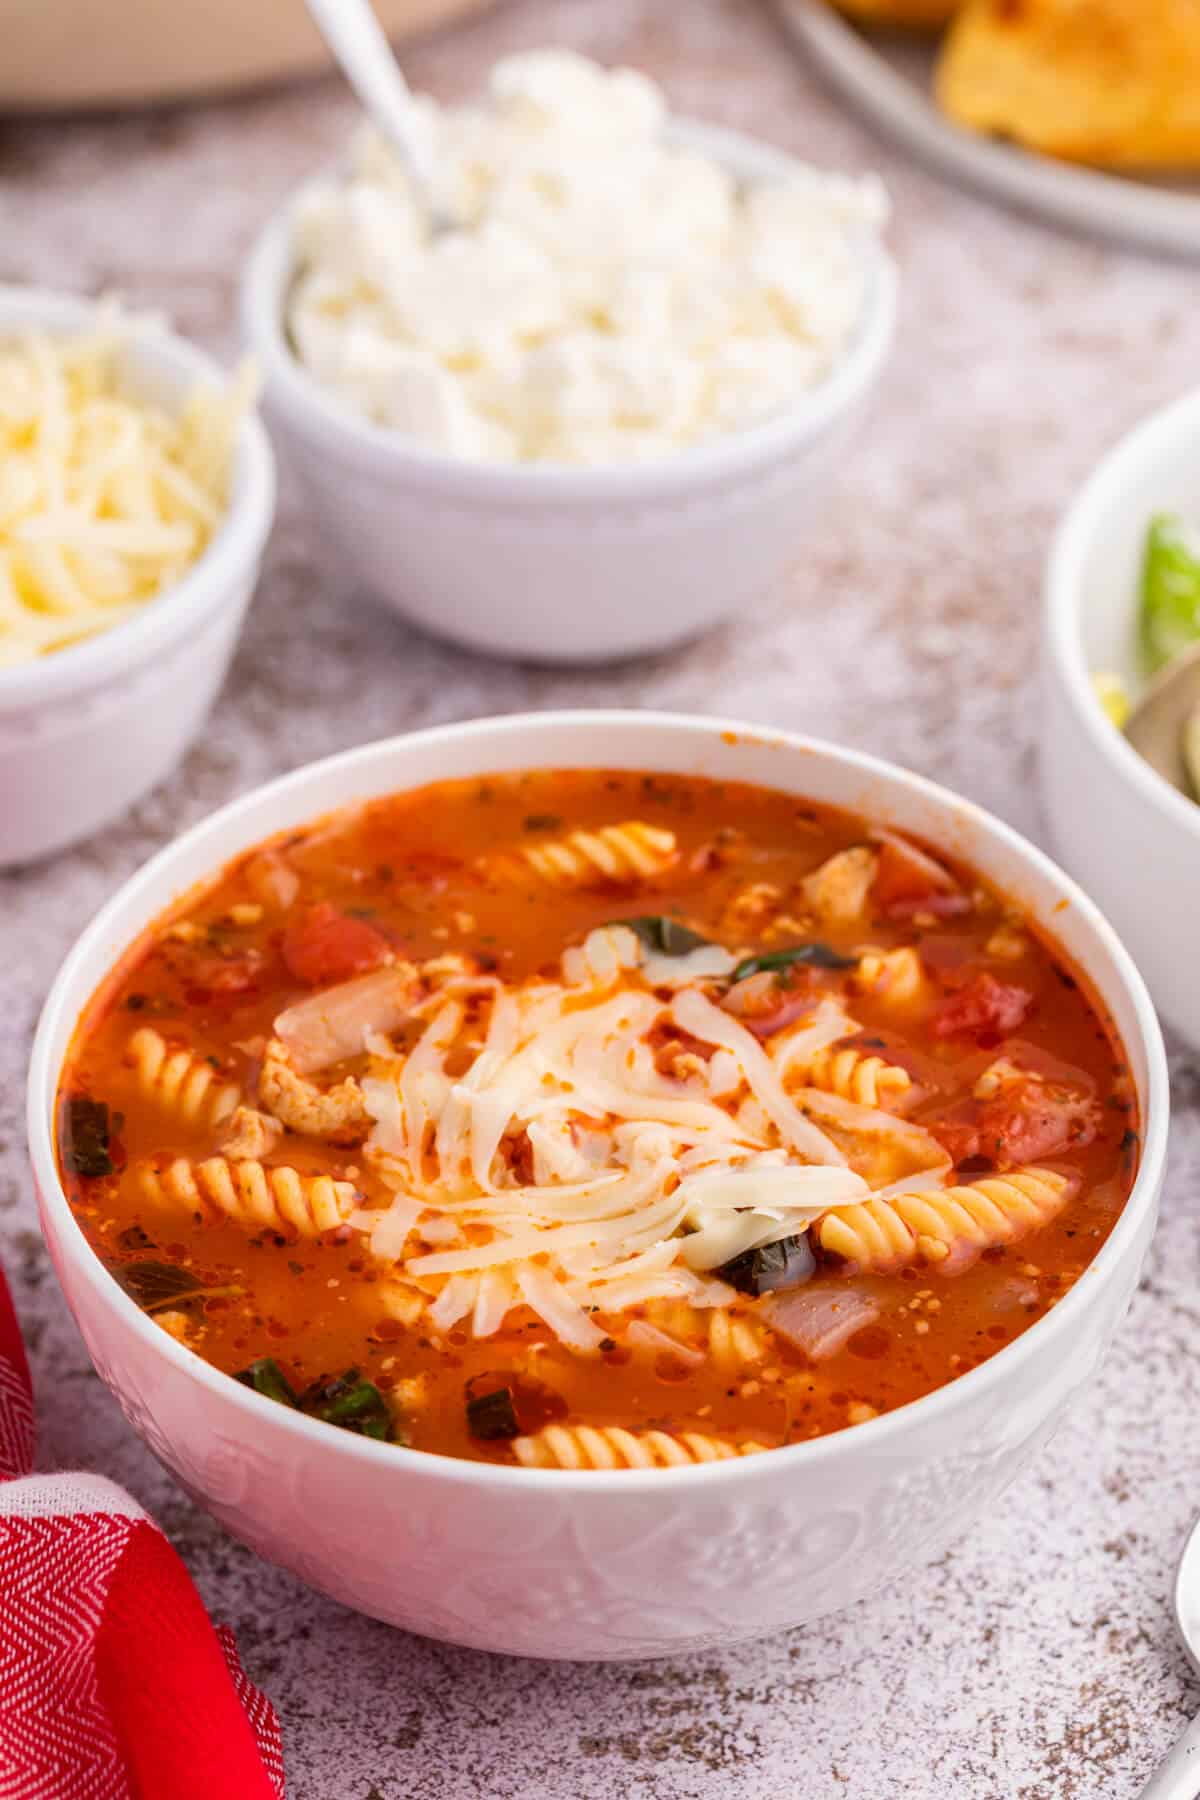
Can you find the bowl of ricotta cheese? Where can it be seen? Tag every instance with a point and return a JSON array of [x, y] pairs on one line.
[[587, 419]]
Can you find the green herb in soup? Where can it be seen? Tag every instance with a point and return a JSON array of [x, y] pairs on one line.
[[1170, 599]]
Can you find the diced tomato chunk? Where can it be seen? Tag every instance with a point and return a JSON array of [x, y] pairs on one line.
[[1028, 1122], [985, 1009], [329, 945], [908, 881], [1041, 1122]]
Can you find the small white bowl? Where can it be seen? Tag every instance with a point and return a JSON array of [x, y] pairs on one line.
[[1129, 837], [540, 1562], [87, 730], [555, 564]]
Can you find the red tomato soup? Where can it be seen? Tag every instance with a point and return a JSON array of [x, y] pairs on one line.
[[595, 1120]]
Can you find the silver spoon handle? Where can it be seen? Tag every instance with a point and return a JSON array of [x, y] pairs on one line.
[[356, 38], [1178, 1774]]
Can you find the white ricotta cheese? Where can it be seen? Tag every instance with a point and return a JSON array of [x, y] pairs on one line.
[[604, 296]]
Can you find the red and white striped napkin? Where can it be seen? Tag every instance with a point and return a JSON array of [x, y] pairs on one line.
[[114, 1684]]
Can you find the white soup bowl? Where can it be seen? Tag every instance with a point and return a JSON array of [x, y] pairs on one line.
[[613, 1564]]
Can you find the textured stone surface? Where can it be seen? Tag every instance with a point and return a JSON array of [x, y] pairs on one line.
[[1035, 1660]]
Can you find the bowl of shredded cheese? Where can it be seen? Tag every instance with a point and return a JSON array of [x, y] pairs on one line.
[[136, 494], [586, 419]]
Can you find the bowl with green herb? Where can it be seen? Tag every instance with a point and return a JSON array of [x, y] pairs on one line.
[[1120, 732]]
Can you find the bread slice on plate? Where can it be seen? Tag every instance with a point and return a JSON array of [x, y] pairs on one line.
[[1110, 82]]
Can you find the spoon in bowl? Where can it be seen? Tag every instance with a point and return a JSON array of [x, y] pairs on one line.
[[1178, 1775], [1164, 726], [362, 52]]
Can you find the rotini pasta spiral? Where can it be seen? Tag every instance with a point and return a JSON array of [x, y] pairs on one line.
[[871, 1234], [869, 1080], [983, 1213], [616, 852], [732, 1340], [933, 1223], [253, 1196], [612, 1447], [179, 1080], [602, 958]]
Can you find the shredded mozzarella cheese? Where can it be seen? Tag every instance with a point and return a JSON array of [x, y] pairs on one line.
[[561, 1170], [105, 499]]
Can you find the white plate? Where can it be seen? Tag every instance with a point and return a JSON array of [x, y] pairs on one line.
[[890, 80]]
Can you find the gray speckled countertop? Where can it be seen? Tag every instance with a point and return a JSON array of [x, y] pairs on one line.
[[1035, 1660]]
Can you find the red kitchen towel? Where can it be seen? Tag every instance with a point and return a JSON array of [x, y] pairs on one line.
[[113, 1683]]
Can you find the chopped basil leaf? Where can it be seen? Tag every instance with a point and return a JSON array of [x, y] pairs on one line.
[[266, 1377], [350, 1402], [346, 1400], [787, 1263], [157, 1284], [665, 936], [86, 1137], [493, 1415], [816, 955]]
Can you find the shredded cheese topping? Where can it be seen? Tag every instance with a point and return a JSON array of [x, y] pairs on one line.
[[105, 500], [540, 1150]]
